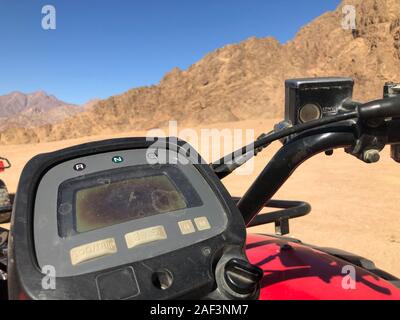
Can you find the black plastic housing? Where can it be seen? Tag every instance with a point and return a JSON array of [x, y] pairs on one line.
[[192, 267], [327, 93]]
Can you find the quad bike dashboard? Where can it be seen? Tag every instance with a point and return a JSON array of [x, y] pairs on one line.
[[111, 220]]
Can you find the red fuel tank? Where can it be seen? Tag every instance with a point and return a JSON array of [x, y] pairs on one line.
[[293, 271]]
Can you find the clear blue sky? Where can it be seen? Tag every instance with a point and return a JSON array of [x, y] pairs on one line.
[[105, 47]]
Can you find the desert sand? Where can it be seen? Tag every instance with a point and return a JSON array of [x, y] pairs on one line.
[[355, 206]]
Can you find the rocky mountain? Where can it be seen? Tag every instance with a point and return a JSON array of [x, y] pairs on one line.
[[32, 110], [245, 80]]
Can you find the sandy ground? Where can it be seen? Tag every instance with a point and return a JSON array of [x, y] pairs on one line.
[[355, 205]]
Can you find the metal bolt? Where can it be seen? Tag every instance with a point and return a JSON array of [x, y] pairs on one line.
[[371, 156], [206, 251]]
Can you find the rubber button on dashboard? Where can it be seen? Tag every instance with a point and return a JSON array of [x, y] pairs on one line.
[[202, 223], [186, 226], [143, 236], [118, 285], [92, 250]]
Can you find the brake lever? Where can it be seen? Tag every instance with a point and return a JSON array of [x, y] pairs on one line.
[[392, 89]]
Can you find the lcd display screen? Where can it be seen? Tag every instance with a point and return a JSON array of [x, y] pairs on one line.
[[111, 197], [113, 203]]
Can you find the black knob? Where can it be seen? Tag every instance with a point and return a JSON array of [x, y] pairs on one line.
[[242, 277]]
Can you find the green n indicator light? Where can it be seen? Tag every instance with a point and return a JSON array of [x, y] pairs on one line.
[[117, 159]]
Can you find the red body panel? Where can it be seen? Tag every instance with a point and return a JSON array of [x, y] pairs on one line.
[[298, 272]]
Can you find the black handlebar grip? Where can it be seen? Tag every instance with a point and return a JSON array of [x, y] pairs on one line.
[[383, 108]]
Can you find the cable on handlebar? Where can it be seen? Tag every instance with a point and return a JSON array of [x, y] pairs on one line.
[[383, 108], [229, 163]]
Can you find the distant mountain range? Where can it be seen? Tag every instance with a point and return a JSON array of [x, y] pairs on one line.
[[239, 81], [35, 109]]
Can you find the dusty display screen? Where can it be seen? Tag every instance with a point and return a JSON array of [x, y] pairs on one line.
[[117, 202], [111, 197]]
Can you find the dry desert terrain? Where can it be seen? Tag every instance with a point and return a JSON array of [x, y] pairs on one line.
[[355, 205]]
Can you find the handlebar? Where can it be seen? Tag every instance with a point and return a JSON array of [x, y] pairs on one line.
[[383, 108], [378, 109], [303, 147], [283, 164]]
